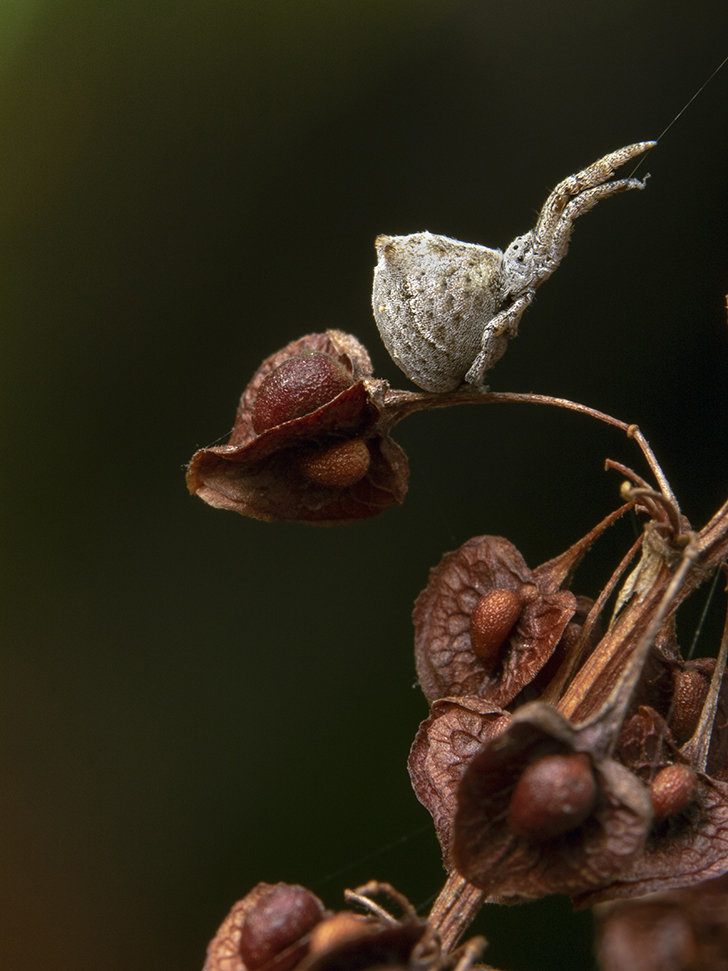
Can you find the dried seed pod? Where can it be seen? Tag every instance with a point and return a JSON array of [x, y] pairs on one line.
[[297, 387], [691, 688], [383, 947], [337, 929], [487, 851], [672, 790], [553, 796], [336, 466], [286, 458], [281, 916], [447, 664], [445, 743], [491, 622], [268, 929]]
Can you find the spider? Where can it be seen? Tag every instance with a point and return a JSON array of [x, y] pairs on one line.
[[446, 310]]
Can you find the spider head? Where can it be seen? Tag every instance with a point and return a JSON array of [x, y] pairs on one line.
[[519, 269]]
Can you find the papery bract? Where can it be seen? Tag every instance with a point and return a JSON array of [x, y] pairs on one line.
[[446, 741], [678, 929], [447, 665], [331, 465], [498, 861], [487, 573]]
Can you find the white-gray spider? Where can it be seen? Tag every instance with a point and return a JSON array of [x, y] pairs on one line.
[[446, 310]]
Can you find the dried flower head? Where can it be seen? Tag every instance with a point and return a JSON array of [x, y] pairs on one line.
[[541, 812], [310, 442], [486, 625]]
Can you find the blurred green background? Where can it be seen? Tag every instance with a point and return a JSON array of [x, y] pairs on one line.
[[193, 702]]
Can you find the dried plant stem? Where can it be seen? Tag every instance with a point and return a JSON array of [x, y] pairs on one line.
[[454, 910], [696, 749], [571, 663], [403, 403], [647, 615]]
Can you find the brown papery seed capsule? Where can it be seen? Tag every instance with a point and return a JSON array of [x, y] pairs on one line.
[[491, 623], [341, 927], [672, 790], [282, 915], [553, 796], [337, 466], [691, 688], [297, 387]]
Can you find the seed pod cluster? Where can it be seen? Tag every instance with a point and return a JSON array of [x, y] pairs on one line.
[[311, 440]]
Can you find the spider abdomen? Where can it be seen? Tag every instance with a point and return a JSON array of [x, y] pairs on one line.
[[432, 299]]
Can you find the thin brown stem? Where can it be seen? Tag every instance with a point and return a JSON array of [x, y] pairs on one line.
[[402, 403], [570, 664], [696, 749], [608, 720], [455, 909]]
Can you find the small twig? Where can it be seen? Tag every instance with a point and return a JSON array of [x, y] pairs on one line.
[[626, 472], [363, 896], [402, 403], [658, 504]]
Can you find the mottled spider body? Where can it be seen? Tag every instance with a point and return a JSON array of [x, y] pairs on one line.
[[446, 310]]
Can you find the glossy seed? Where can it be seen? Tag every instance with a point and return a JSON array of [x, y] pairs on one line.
[[672, 790], [297, 387], [336, 466], [553, 796], [491, 622], [282, 915], [691, 688]]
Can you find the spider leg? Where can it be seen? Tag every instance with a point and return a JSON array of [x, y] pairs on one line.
[[594, 175], [551, 249], [496, 335]]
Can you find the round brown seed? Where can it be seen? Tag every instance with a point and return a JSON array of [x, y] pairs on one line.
[[672, 790], [281, 916], [691, 688], [491, 623], [336, 466], [553, 796]]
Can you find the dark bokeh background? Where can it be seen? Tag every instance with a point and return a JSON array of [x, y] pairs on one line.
[[193, 702]]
